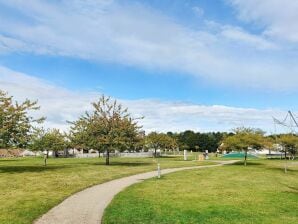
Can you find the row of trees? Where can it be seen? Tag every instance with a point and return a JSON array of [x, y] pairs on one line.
[[197, 141], [244, 139], [109, 127]]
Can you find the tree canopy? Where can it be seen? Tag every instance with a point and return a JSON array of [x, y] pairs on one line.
[[160, 141], [289, 144], [243, 140], [108, 127], [50, 140], [16, 124]]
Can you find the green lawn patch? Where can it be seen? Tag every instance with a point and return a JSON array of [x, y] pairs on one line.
[[28, 189], [258, 193]]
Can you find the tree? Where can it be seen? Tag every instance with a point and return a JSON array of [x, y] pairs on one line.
[[160, 141], [200, 141], [50, 140], [243, 140], [108, 127], [289, 144], [153, 140], [188, 140], [15, 122]]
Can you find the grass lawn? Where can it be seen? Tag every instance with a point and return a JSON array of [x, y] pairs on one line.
[[28, 189], [258, 193]]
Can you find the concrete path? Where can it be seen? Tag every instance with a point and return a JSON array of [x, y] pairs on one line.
[[87, 206]]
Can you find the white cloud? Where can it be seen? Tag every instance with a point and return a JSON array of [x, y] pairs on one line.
[[59, 105], [139, 36], [198, 11], [238, 35], [278, 16]]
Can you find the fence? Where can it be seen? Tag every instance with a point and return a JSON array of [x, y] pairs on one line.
[[123, 154]]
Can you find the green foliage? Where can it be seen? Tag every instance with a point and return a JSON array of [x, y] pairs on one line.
[[289, 143], [191, 140], [50, 140], [243, 140], [108, 127], [160, 141], [15, 123]]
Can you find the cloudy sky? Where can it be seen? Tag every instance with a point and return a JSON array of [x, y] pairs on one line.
[[192, 64]]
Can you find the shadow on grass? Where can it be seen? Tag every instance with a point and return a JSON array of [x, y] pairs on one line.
[[116, 163], [248, 163], [282, 169], [8, 160], [50, 167], [292, 188], [103, 163], [24, 169]]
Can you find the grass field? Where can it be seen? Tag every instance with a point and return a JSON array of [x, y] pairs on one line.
[[28, 189], [258, 193]]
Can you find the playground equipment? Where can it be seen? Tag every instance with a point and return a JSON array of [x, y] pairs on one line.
[[237, 155], [289, 122]]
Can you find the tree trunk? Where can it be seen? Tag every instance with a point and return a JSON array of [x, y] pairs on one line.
[[108, 157], [286, 168], [45, 160], [245, 157], [155, 155]]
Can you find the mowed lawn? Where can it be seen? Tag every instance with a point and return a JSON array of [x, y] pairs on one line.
[[258, 193], [28, 189]]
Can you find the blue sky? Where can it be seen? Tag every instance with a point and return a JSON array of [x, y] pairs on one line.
[[188, 59]]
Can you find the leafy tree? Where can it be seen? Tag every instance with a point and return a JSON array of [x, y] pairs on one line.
[[108, 127], [289, 143], [154, 140], [50, 140], [200, 141], [15, 122], [243, 140], [188, 140], [161, 141]]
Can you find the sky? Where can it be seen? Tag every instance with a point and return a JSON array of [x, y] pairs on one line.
[[193, 64]]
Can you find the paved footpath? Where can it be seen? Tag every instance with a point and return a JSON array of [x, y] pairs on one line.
[[87, 206]]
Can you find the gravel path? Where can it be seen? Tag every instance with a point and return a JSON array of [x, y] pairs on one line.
[[87, 206]]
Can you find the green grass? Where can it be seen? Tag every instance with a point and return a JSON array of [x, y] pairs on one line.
[[28, 189], [258, 193]]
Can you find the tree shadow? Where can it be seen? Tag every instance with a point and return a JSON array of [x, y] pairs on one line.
[[282, 169], [103, 163], [249, 163], [116, 163], [292, 188], [25, 169], [8, 160]]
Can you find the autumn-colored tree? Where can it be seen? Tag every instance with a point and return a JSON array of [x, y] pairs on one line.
[[108, 127], [243, 140], [160, 141], [15, 122], [289, 144]]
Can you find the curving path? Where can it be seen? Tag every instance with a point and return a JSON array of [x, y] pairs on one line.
[[87, 206]]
